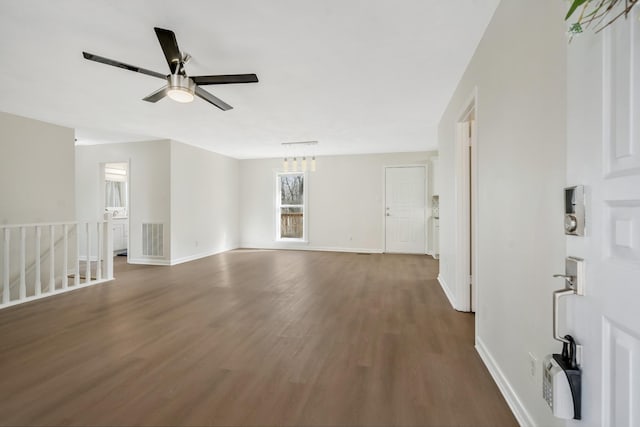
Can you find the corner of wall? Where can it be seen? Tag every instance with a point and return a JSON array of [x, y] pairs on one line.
[[519, 71]]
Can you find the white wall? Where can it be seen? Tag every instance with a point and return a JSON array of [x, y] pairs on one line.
[[36, 185], [345, 211], [204, 203], [36, 171], [519, 71], [149, 188]]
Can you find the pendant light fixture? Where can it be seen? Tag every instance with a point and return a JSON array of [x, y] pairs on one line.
[[303, 148]]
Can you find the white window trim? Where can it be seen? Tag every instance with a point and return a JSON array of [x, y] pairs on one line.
[[305, 209]]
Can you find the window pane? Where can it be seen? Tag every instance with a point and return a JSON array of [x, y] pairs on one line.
[[291, 223], [291, 189]]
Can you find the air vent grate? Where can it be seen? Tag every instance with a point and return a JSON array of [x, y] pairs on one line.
[[152, 240]]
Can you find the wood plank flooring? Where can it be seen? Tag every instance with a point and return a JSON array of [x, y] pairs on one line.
[[249, 337]]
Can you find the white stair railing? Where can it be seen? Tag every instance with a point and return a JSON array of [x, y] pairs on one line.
[[24, 257]]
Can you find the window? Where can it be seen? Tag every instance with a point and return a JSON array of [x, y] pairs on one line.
[[290, 207]]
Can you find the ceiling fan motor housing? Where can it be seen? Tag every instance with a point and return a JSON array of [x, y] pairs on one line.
[[180, 82], [180, 88]]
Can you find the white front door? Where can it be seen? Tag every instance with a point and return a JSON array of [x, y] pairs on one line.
[[604, 155], [405, 209]]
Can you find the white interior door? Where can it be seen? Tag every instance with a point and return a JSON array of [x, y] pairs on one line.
[[604, 156], [405, 209]]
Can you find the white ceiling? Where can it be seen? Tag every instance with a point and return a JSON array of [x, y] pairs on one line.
[[358, 76]]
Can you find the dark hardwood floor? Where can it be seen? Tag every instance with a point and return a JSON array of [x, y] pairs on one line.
[[249, 337]]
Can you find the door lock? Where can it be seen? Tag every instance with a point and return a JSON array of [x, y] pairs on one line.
[[571, 280], [570, 223], [574, 209]]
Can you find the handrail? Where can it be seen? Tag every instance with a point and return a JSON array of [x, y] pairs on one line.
[[41, 224], [28, 280]]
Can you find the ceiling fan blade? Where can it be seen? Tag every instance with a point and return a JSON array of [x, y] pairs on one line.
[[212, 99], [157, 95], [169, 46], [103, 60], [225, 79]]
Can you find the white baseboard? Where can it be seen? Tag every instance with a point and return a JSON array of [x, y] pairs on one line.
[[517, 407], [198, 256], [156, 261], [286, 247], [305, 247], [149, 261], [447, 292], [58, 291]]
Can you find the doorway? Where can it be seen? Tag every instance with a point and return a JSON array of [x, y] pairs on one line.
[[467, 212], [404, 216], [116, 202]]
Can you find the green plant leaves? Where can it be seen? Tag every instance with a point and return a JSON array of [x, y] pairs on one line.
[[574, 6]]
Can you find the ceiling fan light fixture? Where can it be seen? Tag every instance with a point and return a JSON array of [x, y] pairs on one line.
[[180, 95], [180, 88]]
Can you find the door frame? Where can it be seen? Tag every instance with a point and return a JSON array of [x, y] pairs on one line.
[[384, 202], [465, 195], [101, 192]]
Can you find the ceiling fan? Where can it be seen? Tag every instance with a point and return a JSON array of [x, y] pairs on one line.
[[180, 87]]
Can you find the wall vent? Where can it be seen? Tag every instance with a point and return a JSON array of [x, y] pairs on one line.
[[152, 240]]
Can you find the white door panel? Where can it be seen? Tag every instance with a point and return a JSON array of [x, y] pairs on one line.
[[405, 209], [604, 155]]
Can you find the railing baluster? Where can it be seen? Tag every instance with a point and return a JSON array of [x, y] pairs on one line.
[[52, 261], [65, 256], [76, 278], [23, 260], [38, 284], [108, 246], [99, 250], [6, 293], [88, 266]]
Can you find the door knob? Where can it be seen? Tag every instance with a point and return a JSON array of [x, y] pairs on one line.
[[573, 274], [570, 279], [388, 214]]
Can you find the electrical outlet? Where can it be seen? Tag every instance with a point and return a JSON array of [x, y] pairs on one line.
[[533, 362]]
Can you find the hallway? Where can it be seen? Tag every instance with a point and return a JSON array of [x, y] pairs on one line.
[[250, 337]]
